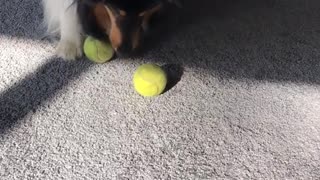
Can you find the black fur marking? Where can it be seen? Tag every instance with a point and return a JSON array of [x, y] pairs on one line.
[[88, 20], [133, 6]]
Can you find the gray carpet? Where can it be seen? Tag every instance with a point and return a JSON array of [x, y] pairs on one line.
[[247, 105]]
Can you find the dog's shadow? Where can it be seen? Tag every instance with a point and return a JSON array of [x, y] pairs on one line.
[[269, 40]]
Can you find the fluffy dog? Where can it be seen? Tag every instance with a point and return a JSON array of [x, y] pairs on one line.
[[122, 22]]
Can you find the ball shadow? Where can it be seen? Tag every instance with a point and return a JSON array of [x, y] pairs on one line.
[[174, 73]]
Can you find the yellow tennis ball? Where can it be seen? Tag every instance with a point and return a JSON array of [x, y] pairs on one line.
[[149, 80], [97, 51]]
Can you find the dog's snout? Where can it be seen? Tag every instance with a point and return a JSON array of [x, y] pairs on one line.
[[124, 50]]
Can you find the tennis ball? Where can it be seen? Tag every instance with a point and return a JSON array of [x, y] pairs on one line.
[[149, 80], [97, 51]]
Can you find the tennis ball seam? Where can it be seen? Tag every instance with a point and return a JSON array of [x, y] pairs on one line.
[[97, 50]]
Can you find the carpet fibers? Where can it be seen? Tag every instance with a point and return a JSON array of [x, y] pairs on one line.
[[244, 102]]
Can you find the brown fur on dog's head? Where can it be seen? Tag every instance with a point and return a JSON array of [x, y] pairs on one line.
[[122, 21]]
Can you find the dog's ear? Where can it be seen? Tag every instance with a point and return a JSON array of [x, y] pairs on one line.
[[94, 19], [102, 16], [106, 14], [107, 17]]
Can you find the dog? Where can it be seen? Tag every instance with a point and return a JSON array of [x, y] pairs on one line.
[[122, 22]]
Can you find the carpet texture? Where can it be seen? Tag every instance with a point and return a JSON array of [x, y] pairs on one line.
[[246, 106]]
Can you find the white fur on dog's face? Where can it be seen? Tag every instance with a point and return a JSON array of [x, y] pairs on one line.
[[60, 17]]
